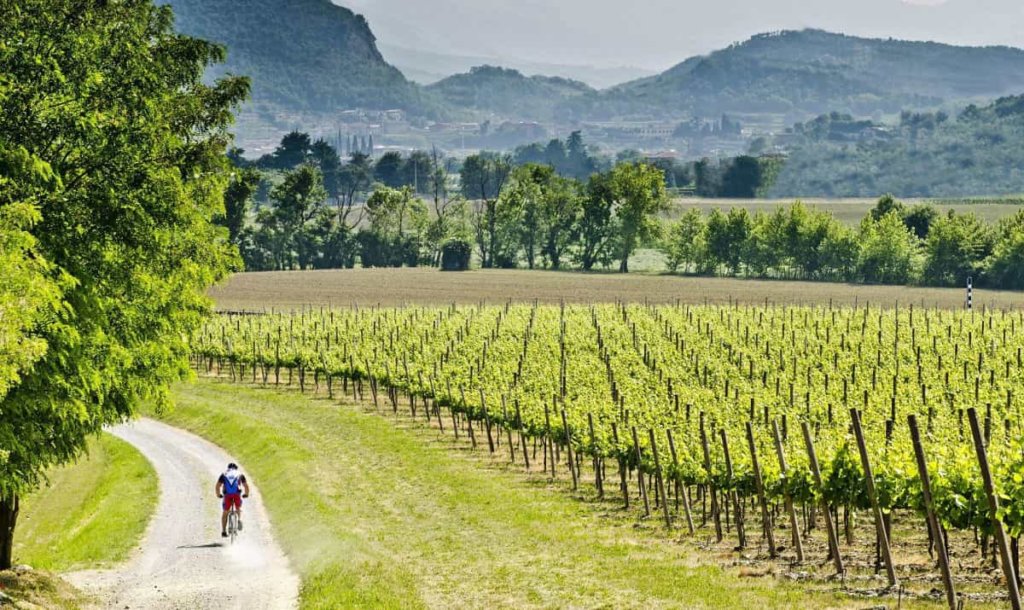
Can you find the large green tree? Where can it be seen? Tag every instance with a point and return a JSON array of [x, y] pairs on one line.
[[640, 194], [112, 100]]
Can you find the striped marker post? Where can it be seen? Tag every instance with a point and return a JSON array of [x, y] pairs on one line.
[[970, 293]]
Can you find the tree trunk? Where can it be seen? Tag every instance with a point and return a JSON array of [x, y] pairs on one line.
[[8, 520], [624, 265]]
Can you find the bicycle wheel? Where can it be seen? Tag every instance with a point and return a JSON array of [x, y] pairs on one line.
[[233, 525]]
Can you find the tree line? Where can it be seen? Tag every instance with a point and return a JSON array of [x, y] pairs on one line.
[[893, 244], [506, 214]]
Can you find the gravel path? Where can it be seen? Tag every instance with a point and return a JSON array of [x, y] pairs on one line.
[[183, 562]]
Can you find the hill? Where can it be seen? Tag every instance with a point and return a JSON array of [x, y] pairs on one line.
[[428, 67], [800, 74], [508, 93], [977, 152], [306, 58]]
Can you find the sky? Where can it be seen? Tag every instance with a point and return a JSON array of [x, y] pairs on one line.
[[656, 34]]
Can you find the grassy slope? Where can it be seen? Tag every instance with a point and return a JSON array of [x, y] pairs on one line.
[[91, 514], [374, 516], [40, 588]]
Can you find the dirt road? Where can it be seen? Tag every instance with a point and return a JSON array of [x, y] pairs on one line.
[[183, 562]]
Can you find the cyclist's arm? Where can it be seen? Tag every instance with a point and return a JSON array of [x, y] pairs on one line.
[[219, 488], [245, 486]]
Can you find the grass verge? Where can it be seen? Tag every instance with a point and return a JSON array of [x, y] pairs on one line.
[[91, 514], [374, 515], [41, 589]]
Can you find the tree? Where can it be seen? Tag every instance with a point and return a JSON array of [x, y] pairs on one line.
[[639, 191], [1005, 268], [417, 171], [685, 246], [886, 204], [287, 226], [483, 178], [919, 219], [326, 158], [956, 247], [595, 233], [354, 178], [294, 149], [113, 101], [742, 178], [889, 251], [727, 235], [560, 209], [389, 170], [237, 198], [398, 221]]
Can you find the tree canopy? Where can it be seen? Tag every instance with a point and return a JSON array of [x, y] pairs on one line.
[[109, 104]]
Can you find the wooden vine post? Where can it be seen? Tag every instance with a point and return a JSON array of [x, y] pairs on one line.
[[869, 479], [993, 508], [680, 488], [640, 474], [711, 485], [759, 485], [660, 481], [741, 534], [568, 450], [929, 506], [623, 482], [794, 525], [830, 526]]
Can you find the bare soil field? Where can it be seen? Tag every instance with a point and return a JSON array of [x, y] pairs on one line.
[[290, 290]]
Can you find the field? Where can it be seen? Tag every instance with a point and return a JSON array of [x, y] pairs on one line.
[[291, 290], [604, 390], [91, 514], [852, 211], [389, 513]]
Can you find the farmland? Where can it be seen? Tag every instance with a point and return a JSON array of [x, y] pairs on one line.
[[294, 290], [683, 413]]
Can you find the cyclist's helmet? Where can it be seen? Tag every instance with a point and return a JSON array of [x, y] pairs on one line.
[[232, 466]]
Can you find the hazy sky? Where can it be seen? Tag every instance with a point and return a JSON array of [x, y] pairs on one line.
[[656, 34]]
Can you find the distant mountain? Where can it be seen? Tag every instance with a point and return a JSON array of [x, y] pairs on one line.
[[809, 72], [426, 67], [508, 93], [931, 154], [305, 57]]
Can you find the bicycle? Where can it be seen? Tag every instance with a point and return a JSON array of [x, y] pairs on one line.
[[233, 522]]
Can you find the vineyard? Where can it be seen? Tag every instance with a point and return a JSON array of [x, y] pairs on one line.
[[774, 429]]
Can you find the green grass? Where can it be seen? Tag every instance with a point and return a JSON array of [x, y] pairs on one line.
[[378, 515], [42, 589], [91, 514]]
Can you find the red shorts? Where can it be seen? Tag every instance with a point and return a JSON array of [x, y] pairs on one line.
[[232, 500]]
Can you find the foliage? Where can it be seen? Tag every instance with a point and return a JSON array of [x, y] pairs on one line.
[[974, 153], [889, 251], [456, 255], [639, 193], [570, 158], [113, 101]]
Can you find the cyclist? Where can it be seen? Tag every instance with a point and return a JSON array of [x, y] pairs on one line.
[[231, 486]]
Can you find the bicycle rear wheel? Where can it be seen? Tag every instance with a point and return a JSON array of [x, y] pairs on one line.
[[233, 525]]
